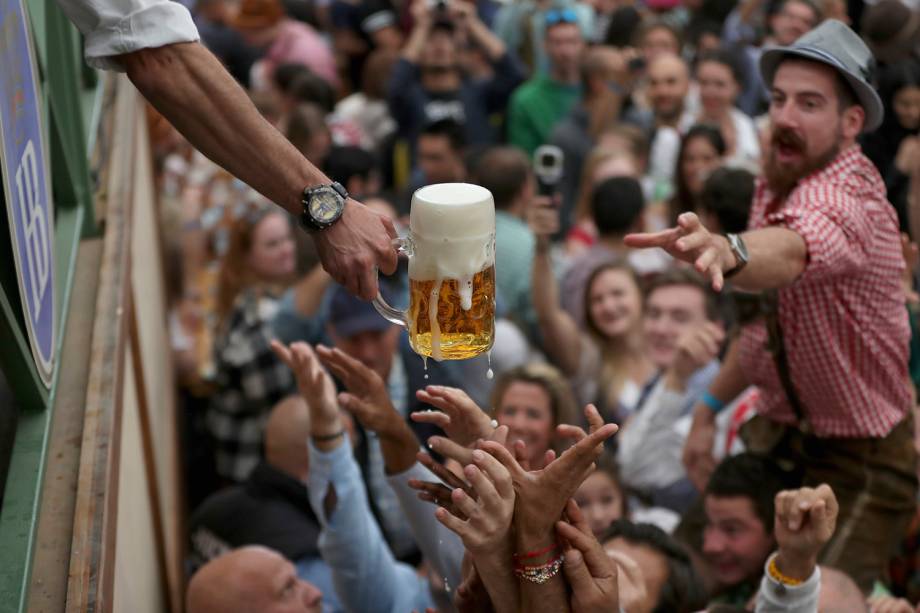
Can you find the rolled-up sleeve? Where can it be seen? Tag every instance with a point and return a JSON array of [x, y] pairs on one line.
[[114, 27], [838, 235]]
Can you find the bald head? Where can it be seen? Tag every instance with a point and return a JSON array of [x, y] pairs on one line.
[[286, 437], [839, 592], [668, 84], [251, 580]]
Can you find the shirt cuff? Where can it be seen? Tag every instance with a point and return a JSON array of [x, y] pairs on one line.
[[787, 597], [162, 23]]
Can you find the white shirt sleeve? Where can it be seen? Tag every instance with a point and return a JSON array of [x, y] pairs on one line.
[[114, 27], [775, 597]]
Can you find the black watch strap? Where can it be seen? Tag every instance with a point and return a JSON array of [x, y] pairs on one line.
[[307, 220]]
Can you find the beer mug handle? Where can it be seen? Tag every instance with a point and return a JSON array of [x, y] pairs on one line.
[[402, 245]]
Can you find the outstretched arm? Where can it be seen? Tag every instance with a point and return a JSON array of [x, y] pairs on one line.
[[190, 87]]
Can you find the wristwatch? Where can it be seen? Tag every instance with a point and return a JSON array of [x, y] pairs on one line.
[[739, 250], [323, 205]]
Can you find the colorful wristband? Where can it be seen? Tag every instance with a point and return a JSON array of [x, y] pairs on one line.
[[712, 402]]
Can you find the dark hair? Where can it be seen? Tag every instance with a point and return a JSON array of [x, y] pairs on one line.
[[312, 88], [448, 128], [616, 204], [621, 31], [344, 163], [727, 59], [814, 6], [892, 79], [752, 476], [684, 275], [285, 74], [682, 591], [727, 194], [503, 171], [683, 200]]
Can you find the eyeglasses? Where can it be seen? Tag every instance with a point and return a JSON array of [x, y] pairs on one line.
[[554, 16]]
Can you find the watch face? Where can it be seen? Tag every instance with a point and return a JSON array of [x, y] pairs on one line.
[[325, 206]]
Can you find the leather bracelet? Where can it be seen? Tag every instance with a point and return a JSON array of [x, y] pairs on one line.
[[325, 438]]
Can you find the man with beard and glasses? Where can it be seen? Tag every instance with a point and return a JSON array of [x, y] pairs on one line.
[[829, 350]]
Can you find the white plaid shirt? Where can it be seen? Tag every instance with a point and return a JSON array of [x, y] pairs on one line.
[[843, 321]]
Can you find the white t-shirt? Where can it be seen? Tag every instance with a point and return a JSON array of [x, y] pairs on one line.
[[114, 27]]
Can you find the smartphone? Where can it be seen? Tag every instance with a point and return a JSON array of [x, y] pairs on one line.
[[547, 166]]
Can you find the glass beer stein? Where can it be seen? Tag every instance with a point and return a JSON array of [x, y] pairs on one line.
[[451, 249]]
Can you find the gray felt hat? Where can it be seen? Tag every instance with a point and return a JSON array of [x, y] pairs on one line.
[[835, 44]]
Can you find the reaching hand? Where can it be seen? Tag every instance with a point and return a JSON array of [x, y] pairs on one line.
[[488, 516], [438, 493], [315, 386], [356, 246], [367, 397], [542, 494], [691, 242], [805, 520], [591, 574], [459, 416], [695, 348]]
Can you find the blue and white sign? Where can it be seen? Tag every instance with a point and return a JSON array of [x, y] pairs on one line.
[[26, 182]]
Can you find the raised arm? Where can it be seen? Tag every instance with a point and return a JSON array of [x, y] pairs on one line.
[[366, 575], [728, 385], [561, 337]]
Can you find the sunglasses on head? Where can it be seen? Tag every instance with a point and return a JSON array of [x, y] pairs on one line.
[[555, 16]]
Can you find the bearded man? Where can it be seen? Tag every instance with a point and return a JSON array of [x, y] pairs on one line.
[[829, 350]]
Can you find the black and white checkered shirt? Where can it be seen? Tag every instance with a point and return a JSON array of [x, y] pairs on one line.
[[251, 380]]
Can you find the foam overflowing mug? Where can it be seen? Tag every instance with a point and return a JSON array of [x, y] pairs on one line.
[[451, 249]]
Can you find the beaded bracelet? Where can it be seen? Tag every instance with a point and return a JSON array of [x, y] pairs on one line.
[[777, 575], [539, 574]]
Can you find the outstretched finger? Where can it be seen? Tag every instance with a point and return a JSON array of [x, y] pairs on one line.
[[501, 453], [283, 353], [497, 473], [599, 565], [652, 239], [450, 449], [442, 473], [595, 421], [453, 523], [570, 431], [437, 418], [580, 456]]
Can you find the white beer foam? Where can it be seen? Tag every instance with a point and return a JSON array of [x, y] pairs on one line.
[[453, 228]]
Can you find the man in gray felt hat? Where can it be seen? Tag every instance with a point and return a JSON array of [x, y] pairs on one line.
[[829, 353]]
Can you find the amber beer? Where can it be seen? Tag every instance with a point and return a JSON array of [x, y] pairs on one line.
[[451, 312]]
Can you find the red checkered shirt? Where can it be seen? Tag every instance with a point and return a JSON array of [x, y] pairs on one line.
[[843, 321]]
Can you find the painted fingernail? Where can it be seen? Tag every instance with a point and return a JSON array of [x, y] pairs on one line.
[[478, 455]]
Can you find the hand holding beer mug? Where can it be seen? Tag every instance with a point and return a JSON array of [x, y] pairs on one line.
[[451, 249]]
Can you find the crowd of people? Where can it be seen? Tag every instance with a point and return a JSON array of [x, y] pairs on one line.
[[706, 337]]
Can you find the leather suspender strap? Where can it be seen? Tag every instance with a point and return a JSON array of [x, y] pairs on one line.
[[777, 349]]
